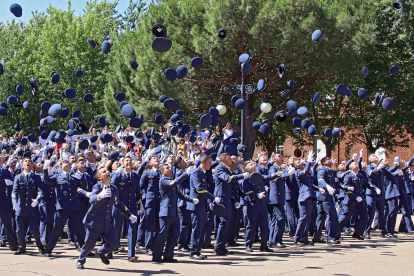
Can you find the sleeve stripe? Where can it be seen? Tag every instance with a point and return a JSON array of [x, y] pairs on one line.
[[172, 183], [321, 179], [249, 192], [231, 178], [202, 191]]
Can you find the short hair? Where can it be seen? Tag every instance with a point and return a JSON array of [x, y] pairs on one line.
[[222, 155], [163, 167], [205, 157], [97, 174], [71, 156], [178, 161], [28, 159]]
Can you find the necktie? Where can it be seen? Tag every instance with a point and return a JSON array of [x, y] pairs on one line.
[[129, 178]]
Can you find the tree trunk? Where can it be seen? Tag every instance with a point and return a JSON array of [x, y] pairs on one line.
[[250, 135], [328, 146]]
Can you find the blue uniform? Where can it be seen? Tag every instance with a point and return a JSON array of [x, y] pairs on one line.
[[67, 207], [183, 213], [292, 206], [26, 188], [375, 201], [306, 197], [199, 190], [392, 194], [130, 195], [100, 222], [6, 208], [223, 178], [168, 216], [47, 209]]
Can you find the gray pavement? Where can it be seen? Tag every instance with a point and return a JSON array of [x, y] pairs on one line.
[[377, 257]]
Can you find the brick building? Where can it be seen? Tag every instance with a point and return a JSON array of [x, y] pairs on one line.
[[286, 149]]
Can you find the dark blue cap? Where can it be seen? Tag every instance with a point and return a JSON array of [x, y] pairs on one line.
[[84, 144], [181, 72], [234, 99], [158, 119], [45, 107], [316, 35], [34, 86], [1, 67], [129, 139], [264, 129], [69, 93], [119, 96], [256, 125], [364, 72], [52, 135], [19, 88], [72, 124], [261, 85], [280, 116], [316, 97], [17, 127], [162, 98], [32, 138], [241, 148], [122, 104], [139, 134], [246, 68], [76, 114], [205, 120], [396, 5], [174, 130], [362, 93], [49, 120], [222, 33], [55, 78], [297, 130], [55, 110], [284, 93], [92, 42], [88, 98], [16, 9], [171, 104], [71, 132], [240, 104], [108, 138], [23, 141], [128, 111], [4, 104], [305, 123], [336, 132], [118, 129], [135, 122], [341, 89], [26, 105], [12, 99], [93, 138], [134, 64], [196, 62], [282, 70], [292, 105], [312, 130], [106, 47], [256, 178], [302, 111], [394, 69], [161, 44], [180, 113], [214, 121], [159, 30], [296, 122], [30, 129], [185, 128], [388, 103], [291, 84], [79, 73], [44, 135], [349, 92], [170, 74], [64, 113], [3, 111], [175, 118], [327, 132], [102, 121]]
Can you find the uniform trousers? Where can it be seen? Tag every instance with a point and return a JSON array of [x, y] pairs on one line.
[[406, 223], [223, 229], [47, 218], [110, 238], [6, 220], [392, 212], [374, 203], [277, 221], [185, 226], [257, 216], [167, 236], [305, 211], [120, 219], [361, 220], [151, 227], [292, 215], [23, 224]]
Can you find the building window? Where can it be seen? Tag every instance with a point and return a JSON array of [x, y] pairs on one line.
[[280, 148]]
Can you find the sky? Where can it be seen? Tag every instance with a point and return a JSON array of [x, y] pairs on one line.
[[41, 5]]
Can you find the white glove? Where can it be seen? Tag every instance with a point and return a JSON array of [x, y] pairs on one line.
[[217, 200], [350, 188], [291, 171], [133, 218], [310, 156], [196, 201], [380, 166], [280, 173], [88, 194], [34, 203], [246, 175], [361, 152], [104, 193], [8, 182], [16, 206], [237, 205], [400, 172], [119, 170], [46, 165], [189, 170], [354, 156], [397, 159], [322, 190], [378, 191], [333, 161], [93, 166], [359, 199], [331, 190], [266, 188], [261, 195], [317, 160]]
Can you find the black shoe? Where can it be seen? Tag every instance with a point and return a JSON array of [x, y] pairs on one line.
[[374, 228], [233, 244], [309, 243], [318, 241], [267, 249], [410, 232], [257, 241], [14, 248], [228, 252], [3, 244], [149, 252], [29, 240], [73, 244], [123, 237], [157, 260], [170, 260], [209, 246], [132, 259], [42, 250], [104, 259], [367, 236], [140, 248], [197, 257], [20, 252], [279, 245], [79, 265], [358, 237], [119, 249], [249, 249], [183, 250], [220, 252], [44, 244], [48, 255], [347, 232], [110, 256], [92, 254], [300, 244], [291, 237]]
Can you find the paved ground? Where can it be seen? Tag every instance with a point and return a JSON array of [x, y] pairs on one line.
[[370, 257]]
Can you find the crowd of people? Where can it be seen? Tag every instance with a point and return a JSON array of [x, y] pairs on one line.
[[165, 192]]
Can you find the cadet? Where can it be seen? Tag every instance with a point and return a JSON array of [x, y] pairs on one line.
[[223, 178], [26, 195], [99, 220], [392, 194], [169, 222]]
